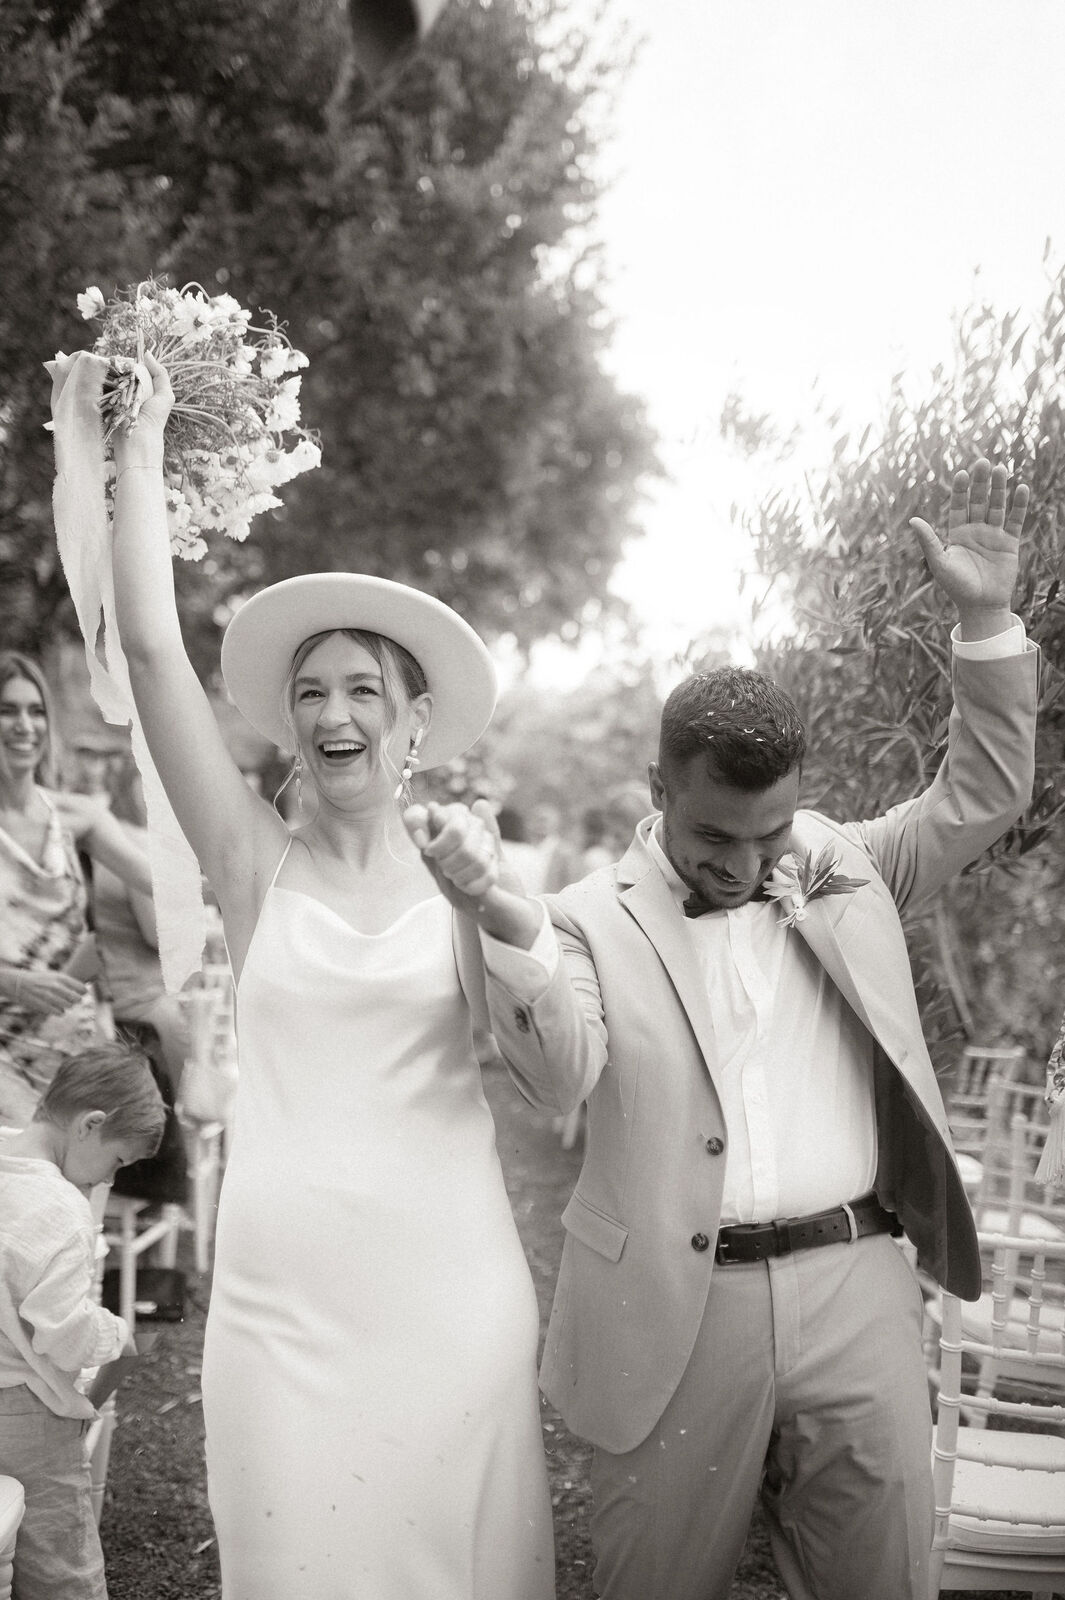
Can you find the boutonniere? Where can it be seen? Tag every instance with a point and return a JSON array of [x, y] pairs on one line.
[[801, 879]]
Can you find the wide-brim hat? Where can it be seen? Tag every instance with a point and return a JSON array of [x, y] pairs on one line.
[[264, 635]]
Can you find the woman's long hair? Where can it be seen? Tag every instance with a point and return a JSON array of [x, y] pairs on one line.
[[15, 665]]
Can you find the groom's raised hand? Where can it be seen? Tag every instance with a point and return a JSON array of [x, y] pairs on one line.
[[976, 565]]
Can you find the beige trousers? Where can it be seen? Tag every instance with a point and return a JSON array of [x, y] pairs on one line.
[[806, 1385]]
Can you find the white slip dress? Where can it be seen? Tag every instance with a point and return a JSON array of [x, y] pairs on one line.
[[369, 1375]]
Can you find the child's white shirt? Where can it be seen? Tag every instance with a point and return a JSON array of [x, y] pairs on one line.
[[50, 1326]]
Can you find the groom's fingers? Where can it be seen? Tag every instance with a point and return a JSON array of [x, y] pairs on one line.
[[996, 504], [980, 489], [930, 544], [1015, 520], [483, 809], [958, 513]]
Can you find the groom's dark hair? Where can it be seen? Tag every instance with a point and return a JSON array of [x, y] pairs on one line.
[[742, 722]]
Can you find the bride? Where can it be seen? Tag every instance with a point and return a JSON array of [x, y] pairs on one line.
[[369, 1369]]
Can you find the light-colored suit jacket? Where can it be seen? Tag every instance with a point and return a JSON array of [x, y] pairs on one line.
[[626, 1024]]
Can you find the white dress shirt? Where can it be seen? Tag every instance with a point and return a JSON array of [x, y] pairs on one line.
[[50, 1326], [794, 1065]]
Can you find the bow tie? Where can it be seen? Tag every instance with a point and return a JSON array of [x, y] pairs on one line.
[[696, 906]]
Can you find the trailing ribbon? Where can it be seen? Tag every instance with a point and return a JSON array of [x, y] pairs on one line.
[[1051, 1168], [83, 534]]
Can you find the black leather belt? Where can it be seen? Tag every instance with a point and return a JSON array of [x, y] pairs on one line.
[[755, 1241]]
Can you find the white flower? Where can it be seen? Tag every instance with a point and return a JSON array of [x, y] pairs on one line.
[[265, 471], [272, 362], [91, 303], [192, 319], [188, 545], [262, 502], [303, 458], [226, 309], [284, 412]]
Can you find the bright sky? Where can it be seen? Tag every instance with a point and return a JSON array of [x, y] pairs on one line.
[[804, 191]]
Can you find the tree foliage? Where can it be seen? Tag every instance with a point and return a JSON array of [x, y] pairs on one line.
[[430, 249], [867, 655]]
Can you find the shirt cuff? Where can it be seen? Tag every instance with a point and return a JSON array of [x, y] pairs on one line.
[[1013, 642], [526, 974]]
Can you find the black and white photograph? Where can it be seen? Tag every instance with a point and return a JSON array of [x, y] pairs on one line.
[[532, 799]]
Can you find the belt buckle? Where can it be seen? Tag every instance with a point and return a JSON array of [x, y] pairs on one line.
[[722, 1257], [852, 1223]]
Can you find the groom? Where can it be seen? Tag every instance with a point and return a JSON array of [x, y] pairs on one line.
[[733, 1317]]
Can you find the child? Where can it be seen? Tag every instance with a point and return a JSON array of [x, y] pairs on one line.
[[100, 1111]]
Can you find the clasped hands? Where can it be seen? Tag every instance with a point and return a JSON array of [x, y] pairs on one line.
[[461, 847]]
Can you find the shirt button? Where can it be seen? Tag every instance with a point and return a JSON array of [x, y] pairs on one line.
[[700, 1241], [715, 1145]]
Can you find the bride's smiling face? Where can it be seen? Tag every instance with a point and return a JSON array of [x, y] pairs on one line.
[[346, 733]]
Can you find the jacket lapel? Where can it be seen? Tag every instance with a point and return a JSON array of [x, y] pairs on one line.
[[848, 938], [645, 894]]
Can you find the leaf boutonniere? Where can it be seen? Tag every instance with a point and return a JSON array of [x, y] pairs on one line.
[[801, 879]]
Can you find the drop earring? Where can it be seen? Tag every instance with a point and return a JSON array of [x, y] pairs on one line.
[[403, 786], [298, 771]]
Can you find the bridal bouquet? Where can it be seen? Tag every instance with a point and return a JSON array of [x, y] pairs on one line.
[[234, 433], [232, 438]]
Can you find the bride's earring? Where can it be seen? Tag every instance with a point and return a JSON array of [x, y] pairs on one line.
[[409, 765], [298, 772]]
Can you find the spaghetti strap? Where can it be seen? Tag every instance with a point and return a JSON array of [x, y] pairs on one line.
[[280, 864]]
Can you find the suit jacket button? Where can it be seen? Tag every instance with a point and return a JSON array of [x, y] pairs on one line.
[[715, 1145], [521, 1018], [700, 1241]]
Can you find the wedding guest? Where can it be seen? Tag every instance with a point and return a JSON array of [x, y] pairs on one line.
[[47, 1008], [100, 1110], [91, 762], [732, 1317], [369, 1369]]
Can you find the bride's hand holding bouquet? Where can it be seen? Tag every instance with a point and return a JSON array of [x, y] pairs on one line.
[[233, 435], [184, 398]]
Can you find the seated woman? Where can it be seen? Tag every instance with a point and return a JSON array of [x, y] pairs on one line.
[[46, 1006]]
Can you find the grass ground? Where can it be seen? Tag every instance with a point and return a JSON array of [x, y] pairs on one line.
[[156, 1529]]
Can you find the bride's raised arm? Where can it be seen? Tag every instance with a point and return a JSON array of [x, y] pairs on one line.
[[236, 836]]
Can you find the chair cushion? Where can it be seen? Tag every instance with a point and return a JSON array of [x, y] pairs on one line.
[[1032, 1497]]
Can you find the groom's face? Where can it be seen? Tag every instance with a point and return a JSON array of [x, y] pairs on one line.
[[723, 841]]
